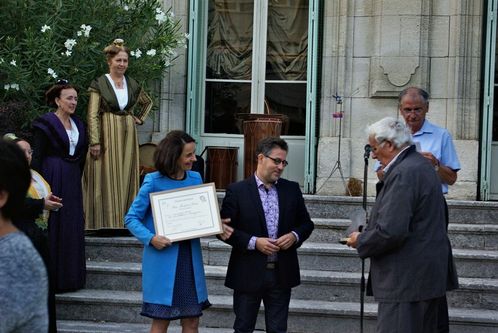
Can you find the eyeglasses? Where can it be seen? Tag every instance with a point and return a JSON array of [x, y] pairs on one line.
[[62, 82], [416, 111], [379, 145], [277, 161]]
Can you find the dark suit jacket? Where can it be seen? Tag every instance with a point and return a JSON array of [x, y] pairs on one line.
[[242, 204], [405, 239]]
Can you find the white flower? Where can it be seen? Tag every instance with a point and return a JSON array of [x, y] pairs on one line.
[[52, 73], [85, 30], [14, 86], [79, 33], [151, 52], [187, 35], [126, 7], [45, 28], [171, 14], [137, 53], [13, 63], [69, 44], [160, 18], [159, 10], [67, 53]]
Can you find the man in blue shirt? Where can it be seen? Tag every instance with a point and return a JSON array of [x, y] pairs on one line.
[[435, 142]]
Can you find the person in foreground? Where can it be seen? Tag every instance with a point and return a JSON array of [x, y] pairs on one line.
[[23, 278], [116, 105], [265, 221], [59, 149], [173, 279], [405, 238], [33, 219]]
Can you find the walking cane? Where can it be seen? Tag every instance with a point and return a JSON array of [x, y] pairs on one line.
[[366, 156]]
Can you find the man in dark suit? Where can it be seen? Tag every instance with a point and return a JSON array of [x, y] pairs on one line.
[[405, 238], [265, 221]]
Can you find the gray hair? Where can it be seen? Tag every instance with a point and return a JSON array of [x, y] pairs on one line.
[[410, 90], [390, 129]]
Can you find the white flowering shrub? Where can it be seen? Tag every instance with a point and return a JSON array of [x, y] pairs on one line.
[[46, 40]]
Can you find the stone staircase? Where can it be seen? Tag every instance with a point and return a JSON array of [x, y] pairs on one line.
[[327, 299]]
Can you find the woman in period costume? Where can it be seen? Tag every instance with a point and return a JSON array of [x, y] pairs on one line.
[[33, 220], [173, 280], [111, 178], [59, 150]]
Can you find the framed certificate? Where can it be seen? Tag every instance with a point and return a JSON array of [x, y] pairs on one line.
[[187, 212]]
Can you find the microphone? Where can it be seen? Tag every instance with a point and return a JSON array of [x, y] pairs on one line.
[[368, 149]]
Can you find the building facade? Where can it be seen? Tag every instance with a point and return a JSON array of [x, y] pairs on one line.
[[330, 68]]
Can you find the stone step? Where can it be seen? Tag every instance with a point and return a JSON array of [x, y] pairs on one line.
[[118, 249], [312, 256], [337, 257], [315, 285], [70, 326], [462, 236], [342, 207], [304, 315]]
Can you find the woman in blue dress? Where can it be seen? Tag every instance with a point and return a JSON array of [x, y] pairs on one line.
[[173, 280]]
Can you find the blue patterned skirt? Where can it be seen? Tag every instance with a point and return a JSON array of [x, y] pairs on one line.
[[185, 304]]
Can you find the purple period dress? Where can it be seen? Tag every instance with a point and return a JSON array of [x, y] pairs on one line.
[[66, 227]]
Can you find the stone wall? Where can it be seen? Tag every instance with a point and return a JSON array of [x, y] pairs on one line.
[[373, 50]]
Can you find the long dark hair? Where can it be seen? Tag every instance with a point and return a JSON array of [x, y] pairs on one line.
[[169, 150]]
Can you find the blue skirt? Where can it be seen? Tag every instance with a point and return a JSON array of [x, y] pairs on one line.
[[185, 303]]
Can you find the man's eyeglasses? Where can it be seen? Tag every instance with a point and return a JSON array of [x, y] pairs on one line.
[[416, 111], [277, 161]]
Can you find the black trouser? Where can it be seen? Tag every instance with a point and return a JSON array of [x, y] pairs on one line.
[[276, 301]]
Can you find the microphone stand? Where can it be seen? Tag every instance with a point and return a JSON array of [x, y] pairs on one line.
[[366, 156]]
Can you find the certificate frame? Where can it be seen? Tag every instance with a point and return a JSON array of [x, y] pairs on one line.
[[186, 212]]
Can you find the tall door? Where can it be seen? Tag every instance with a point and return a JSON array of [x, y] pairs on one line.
[[253, 57], [489, 143]]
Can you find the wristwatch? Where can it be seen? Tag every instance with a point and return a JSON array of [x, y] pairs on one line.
[[436, 167]]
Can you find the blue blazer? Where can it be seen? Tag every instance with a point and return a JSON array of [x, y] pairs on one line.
[[159, 266], [242, 204]]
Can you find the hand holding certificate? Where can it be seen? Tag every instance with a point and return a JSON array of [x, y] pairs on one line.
[[186, 213]]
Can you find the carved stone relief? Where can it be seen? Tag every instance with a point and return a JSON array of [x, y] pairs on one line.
[[400, 50]]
